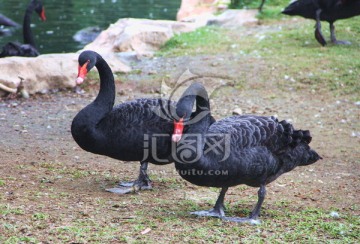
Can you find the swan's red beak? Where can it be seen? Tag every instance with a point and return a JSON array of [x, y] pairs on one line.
[[178, 130], [42, 14], [82, 73]]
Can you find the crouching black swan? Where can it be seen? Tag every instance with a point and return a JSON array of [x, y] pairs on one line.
[[324, 10], [130, 131], [28, 49], [249, 149]]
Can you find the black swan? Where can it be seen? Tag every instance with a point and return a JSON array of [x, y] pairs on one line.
[[5, 21], [28, 49], [247, 149], [324, 10], [125, 132]]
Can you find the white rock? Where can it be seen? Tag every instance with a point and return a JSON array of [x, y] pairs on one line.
[[237, 111], [48, 71], [141, 35], [335, 215], [234, 18]]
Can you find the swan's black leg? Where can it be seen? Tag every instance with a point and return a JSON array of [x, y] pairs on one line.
[[261, 5], [143, 178], [261, 196], [318, 35], [143, 182], [218, 210], [333, 37], [252, 219]]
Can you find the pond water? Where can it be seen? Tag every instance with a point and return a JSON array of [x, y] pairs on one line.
[[66, 17]]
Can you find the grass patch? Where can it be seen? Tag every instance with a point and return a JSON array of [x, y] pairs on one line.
[[203, 40], [293, 58]]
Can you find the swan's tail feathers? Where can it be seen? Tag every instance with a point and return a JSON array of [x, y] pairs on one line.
[[303, 8], [312, 157], [299, 136], [293, 137], [293, 145], [291, 9]]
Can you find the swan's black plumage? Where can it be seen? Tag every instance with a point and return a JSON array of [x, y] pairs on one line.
[[252, 150], [324, 10], [28, 49], [122, 132]]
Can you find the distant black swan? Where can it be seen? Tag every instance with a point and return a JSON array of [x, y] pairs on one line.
[[324, 10], [126, 131], [28, 49], [248, 149]]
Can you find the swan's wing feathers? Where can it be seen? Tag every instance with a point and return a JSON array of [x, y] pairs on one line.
[[17, 49], [10, 49], [245, 130], [252, 131], [141, 113]]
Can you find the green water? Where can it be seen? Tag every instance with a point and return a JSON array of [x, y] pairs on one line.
[[66, 17]]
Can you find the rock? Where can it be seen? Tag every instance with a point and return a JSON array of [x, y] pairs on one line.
[[140, 35], [200, 12], [193, 8], [234, 17], [47, 72], [237, 111], [87, 34]]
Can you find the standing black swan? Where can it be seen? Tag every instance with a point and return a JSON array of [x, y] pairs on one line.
[[249, 149], [28, 49], [124, 132], [324, 10]]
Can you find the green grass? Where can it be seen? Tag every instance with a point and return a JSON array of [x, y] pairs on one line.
[[192, 43], [280, 224], [291, 53]]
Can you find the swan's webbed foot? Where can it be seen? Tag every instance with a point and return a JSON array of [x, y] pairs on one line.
[[120, 190], [338, 42], [217, 213], [219, 209], [333, 37], [242, 220], [126, 184], [130, 187], [143, 182]]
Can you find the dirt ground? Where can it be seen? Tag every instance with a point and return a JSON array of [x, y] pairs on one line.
[[42, 169]]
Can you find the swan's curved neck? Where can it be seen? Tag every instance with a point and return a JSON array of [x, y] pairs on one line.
[[196, 92], [27, 33], [197, 122], [106, 97]]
